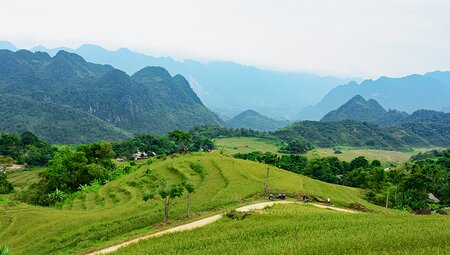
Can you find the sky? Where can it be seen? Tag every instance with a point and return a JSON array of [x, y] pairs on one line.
[[346, 38]]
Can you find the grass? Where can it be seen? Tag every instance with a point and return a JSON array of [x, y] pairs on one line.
[[304, 229], [233, 145], [117, 212]]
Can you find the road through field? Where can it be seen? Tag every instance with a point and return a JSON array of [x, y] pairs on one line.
[[205, 221]]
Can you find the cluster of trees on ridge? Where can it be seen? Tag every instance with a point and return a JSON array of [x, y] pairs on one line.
[[407, 186]]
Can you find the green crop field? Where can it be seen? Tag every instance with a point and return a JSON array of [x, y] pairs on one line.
[[117, 212], [304, 229], [233, 145], [386, 157]]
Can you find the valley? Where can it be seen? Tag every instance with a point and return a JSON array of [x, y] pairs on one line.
[[224, 127]]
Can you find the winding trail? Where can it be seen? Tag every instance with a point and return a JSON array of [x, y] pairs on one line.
[[208, 220]]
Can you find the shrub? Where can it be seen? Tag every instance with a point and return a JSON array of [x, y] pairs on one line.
[[235, 215]]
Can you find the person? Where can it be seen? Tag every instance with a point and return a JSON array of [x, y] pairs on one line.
[[328, 201], [305, 199]]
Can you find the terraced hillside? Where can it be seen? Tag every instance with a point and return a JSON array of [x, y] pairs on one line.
[[117, 212], [304, 229]]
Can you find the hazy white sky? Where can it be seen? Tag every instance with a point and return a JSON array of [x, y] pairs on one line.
[[365, 38]]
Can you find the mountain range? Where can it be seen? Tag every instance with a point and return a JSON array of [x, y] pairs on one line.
[[224, 87], [430, 91], [149, 100]]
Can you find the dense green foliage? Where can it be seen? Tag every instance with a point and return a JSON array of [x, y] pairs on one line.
[[255, 121], [67, 94], [408, 185], [296, 146], [54, 123], [5, 186], [174, 141], [421, 128], [26, 149], [71, 169], [349, 133], [215, 131]]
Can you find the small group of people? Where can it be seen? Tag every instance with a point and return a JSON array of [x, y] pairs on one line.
[[281, 196]]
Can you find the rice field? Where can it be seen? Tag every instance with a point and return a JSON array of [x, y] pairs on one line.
[[117, 212], [304, 229], [386, 157], [233, 145]]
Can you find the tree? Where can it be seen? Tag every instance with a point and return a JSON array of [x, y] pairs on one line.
[[190, 189], [168, 195], [297, 146], [359, 162], [181, 138], [5, 186]]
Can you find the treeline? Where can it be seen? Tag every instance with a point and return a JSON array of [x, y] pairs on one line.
[[174, 142], [216, 131], [26, 149], [404, 187]]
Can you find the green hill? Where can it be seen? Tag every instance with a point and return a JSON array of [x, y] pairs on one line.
[[116, 211], [151, 100], [253, 120], [358, 109], [54, 123], [421, 128], [342, 133]]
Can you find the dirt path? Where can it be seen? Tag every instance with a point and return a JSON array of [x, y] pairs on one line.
[[206, 221]]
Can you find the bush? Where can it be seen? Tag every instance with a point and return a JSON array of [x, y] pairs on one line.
[[235, 215], [5, 186]]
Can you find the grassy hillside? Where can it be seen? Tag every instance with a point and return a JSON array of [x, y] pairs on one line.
[[304, 229], [117, 211]]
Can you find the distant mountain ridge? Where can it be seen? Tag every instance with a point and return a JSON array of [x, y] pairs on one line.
[[430, 91], [421, 128], [253, 120], [225, 87], [150, 100]]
